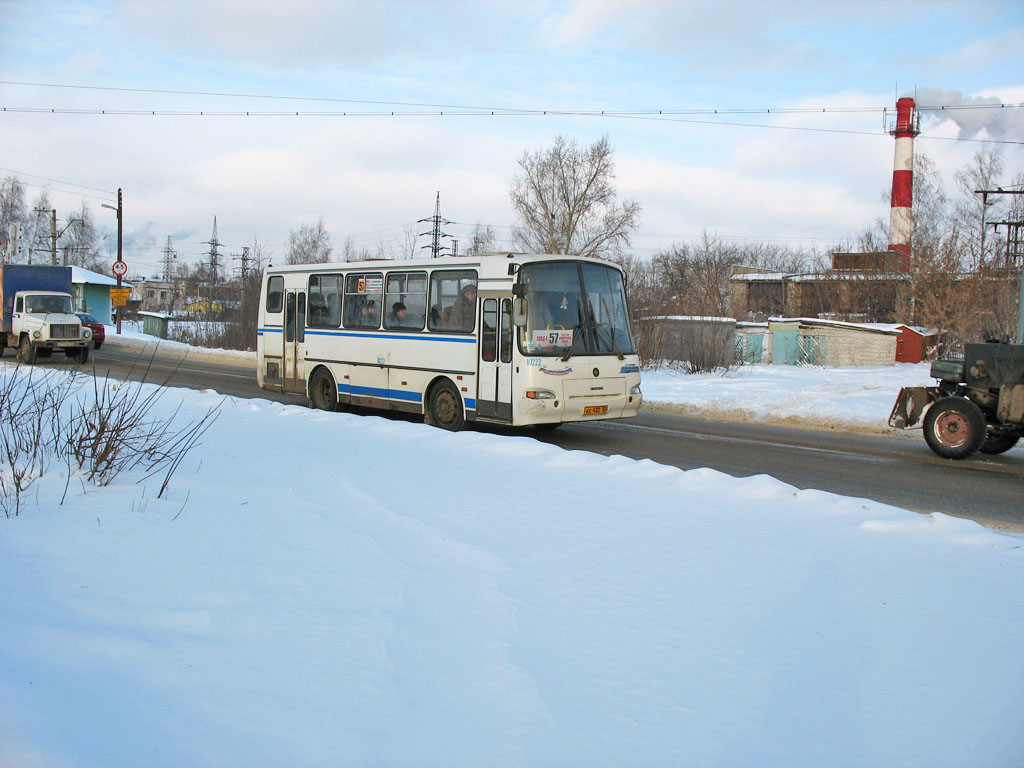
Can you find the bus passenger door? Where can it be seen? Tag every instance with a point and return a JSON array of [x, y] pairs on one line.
[[294, 337], [494, 394]]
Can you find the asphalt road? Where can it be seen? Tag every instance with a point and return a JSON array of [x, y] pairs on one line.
[[894, 469]]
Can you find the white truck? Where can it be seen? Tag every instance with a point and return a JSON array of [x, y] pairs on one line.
[[37, 313]]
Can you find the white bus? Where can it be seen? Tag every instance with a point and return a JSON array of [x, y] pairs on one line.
[[510, 339]]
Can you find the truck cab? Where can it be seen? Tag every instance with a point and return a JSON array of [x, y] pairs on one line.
[[43, 321]]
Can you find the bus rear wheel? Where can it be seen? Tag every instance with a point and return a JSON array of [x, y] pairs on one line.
[[445, 410], [323, 392]]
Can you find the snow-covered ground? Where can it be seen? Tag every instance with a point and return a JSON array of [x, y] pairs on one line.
[[855, 397], [330, 589]]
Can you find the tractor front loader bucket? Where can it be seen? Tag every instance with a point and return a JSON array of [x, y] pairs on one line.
[[910, 404]]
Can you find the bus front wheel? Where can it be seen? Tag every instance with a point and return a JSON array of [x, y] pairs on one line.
[[445, 409], [323, 393]]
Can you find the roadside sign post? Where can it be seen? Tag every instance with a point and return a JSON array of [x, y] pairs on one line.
[[120, 268], [119, 296]]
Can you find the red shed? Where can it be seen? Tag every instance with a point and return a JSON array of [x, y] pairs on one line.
[[915, 344]]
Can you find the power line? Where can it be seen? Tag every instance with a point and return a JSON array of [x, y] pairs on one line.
[[57, 181], [659, 116], [507, 110]]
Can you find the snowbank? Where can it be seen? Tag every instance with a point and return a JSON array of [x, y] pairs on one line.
[[326, 589]]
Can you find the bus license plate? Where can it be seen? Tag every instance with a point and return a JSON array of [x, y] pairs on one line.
[[594, 410]]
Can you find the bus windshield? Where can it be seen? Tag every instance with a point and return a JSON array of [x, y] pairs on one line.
[[574, 308]]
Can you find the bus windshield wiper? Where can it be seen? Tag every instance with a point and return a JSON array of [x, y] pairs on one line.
[[608, 329], [611, 340], [576, 329], [572, 346]]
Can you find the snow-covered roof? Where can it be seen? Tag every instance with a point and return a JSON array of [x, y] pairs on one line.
[[692, 318], [816, 277], [82, 275], [888, 328]]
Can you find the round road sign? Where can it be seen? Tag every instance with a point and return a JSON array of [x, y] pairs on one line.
[[120, 268]]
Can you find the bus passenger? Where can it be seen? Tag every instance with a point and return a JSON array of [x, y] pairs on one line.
[[463, 314], [397, 316], [368, 316]]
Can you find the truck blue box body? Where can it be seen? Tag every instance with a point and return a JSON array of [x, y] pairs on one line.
[[30, 277]]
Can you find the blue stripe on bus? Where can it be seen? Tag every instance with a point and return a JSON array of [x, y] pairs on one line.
[[407, 337], [391, 394], [261, 331], [388, 394]]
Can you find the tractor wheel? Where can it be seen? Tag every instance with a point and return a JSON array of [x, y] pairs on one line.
[[996, 442], [954, 427]]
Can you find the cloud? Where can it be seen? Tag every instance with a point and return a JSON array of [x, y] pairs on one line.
[[271, 35], [969, 114], [981, 54]]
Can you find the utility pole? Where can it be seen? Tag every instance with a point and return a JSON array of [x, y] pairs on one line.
[[53, 237], [984, 204], [119, 266], [435, 232], [245, 259]]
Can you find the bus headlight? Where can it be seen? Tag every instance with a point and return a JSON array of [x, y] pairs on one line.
[[635, 390], [539, 394], [36, 334]]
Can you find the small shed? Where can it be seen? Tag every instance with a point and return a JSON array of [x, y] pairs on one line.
[[709, 340], [91, 293], [812, 341], [155, 323], [917, 344], [752, 343]]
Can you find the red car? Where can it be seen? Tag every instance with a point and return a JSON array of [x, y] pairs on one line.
[[99, 333]]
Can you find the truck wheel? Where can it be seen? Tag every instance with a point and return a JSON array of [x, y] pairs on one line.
[[954, 427], [998, 443], [26, 351], [83, 355]]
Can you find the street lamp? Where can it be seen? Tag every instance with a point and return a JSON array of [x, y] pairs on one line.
[[120, 230]]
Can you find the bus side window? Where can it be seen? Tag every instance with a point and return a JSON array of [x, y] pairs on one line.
[[489, 332], [506, 330], [275, 294]]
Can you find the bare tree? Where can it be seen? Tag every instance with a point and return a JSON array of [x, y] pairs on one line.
[[80, 241], [566, 203], [311, 244], [12, 212], [482, 240], [37, 227], [972, 209]]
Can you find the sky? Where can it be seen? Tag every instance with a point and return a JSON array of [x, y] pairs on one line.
[[364, 606], [418, 83]]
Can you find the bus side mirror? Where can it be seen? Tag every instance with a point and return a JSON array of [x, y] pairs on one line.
[[520, 307]]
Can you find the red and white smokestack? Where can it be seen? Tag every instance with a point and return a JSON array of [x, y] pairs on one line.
[[900, 220]]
